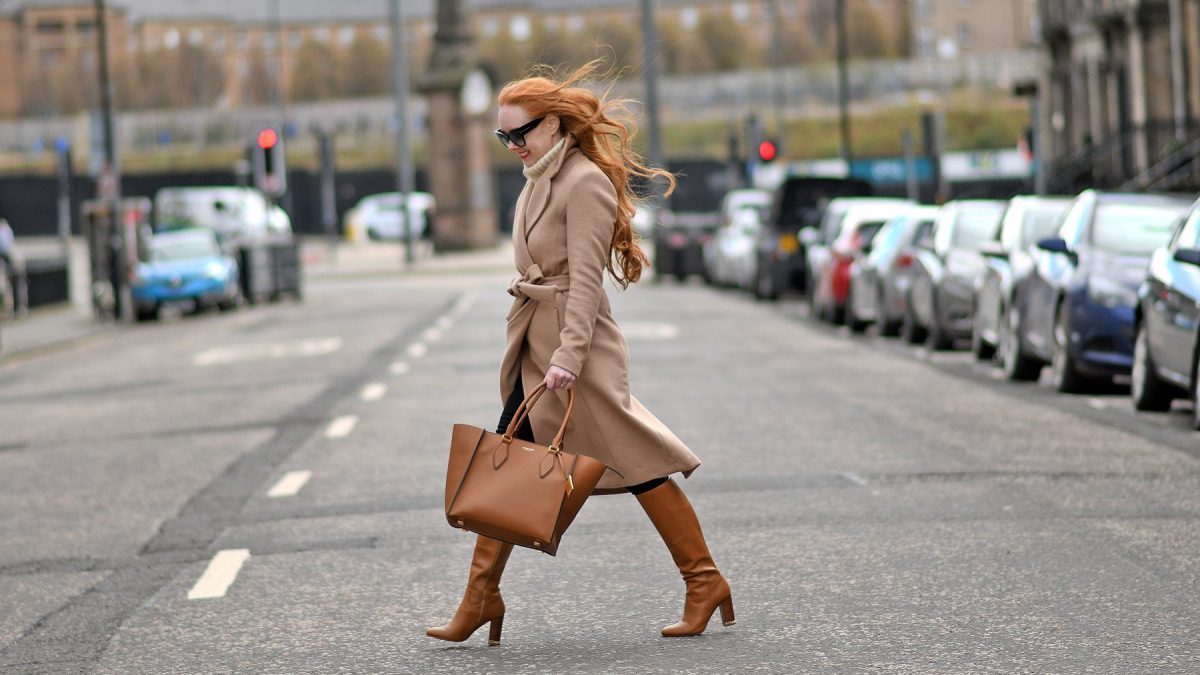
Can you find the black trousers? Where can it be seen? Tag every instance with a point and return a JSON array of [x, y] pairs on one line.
[[525, 432]]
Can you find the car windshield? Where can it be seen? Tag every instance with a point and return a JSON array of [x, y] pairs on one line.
[[1136, 229], [178, 248], [1041, 221], [868, 230], [975, 225]]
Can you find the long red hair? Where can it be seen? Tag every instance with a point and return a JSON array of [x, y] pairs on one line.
[[603, 129]]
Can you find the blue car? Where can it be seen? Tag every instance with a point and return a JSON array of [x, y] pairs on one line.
[[1075, 310], [185, 267]]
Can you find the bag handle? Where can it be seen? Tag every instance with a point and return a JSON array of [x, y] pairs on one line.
[[526, 405]]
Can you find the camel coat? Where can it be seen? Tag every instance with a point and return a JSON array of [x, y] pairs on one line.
[[562, 233]]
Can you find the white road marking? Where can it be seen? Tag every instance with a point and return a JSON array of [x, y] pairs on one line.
[[400, 368], [373, 391], [431, 335], [416, 350], [464, 304], [445, 323], [267, 350], [220, 574], [1097, 403], [649, 330], [854, 478], [341, 427], [290, 484]]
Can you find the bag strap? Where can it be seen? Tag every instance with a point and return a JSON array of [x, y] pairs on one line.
[[527, 405]]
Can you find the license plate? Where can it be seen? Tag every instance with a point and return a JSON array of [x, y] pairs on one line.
[[677, 240], [788, 244]]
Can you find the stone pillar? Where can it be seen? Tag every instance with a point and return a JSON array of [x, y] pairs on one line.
[[1137, 91], [460, 96]]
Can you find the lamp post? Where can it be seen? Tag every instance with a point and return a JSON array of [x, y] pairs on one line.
[[404, 164]]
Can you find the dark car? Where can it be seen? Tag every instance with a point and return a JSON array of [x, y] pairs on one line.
[[679, 240], [796, 204], [942, 294], [1075, 310], [1027, 220], [1167, 324], [879, 281]]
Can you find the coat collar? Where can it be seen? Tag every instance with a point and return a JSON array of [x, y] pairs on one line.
[[539, 191]]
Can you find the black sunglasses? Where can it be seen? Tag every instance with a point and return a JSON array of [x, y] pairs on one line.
[[517, 136]]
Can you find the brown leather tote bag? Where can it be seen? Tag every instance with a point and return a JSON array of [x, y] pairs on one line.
[[513, 490]]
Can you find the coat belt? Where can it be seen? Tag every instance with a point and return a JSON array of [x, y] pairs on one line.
[[536, 286]]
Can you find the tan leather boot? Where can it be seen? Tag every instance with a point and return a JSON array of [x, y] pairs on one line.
[[481, 601], [673, 517]]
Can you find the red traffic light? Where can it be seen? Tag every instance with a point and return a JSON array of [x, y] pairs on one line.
[[267, 139], [767, 150]]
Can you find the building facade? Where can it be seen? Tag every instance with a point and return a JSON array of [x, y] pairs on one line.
[[1120, 95], [950, 28]]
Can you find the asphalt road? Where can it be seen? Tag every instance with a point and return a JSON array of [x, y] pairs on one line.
[[875, 508]]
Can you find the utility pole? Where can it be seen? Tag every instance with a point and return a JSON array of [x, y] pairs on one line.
[[650, 64], [777, 75], [109, 188], [1178, 68], [404, 164], [843, 56]]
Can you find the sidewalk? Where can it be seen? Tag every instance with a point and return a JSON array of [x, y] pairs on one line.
[[49, 329]]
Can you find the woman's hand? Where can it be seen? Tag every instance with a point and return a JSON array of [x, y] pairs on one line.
[[559, 378]]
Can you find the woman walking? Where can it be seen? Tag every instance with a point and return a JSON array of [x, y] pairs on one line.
[[572, 224]]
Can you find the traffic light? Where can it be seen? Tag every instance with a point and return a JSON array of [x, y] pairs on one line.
[[270, 174], [768, 150]]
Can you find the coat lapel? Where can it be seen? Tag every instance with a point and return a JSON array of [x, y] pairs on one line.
[[539, 198]]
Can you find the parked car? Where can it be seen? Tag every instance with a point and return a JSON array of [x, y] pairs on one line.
[[1008, 257], [380, 216], [816, 241], [943, 283], [879, 282], [1075, 310], [235, 214], [185, 266], [740, 212], [796, 206], [830, 292], [679, 239], [732, 259], [1166, 324]]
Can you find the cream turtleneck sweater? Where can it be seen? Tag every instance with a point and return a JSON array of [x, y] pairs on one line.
[[539, 167]]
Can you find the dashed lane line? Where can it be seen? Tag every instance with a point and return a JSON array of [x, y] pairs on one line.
[[219, 576], [290, 484], [341, 427], [416, 350], [431, 335], [373, 391], [399, 368]]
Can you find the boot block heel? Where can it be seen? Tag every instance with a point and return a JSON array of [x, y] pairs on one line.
[[494, 631], [727, 612]]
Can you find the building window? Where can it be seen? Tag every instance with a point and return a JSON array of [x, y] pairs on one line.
[[575, 23], [171, 39], [243, 40], [382, 33], [964, 35], [489, 26], [85, 27], [295, 38], [923, 9], [218, 41], [689, 18], [741, 12], [321, 34], [346, 36], [195, 37], [132, 44], [269, 41], [51, 27], [520, 28]]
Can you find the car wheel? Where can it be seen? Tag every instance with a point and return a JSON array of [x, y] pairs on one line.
[[856, 324], [887, 327], [1148, 391], [1067, 378], [1017, 365], [980, 348], [148, 314], [910, 332], [937, 339], [764, 289], [1195, 397], [814, 306]]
